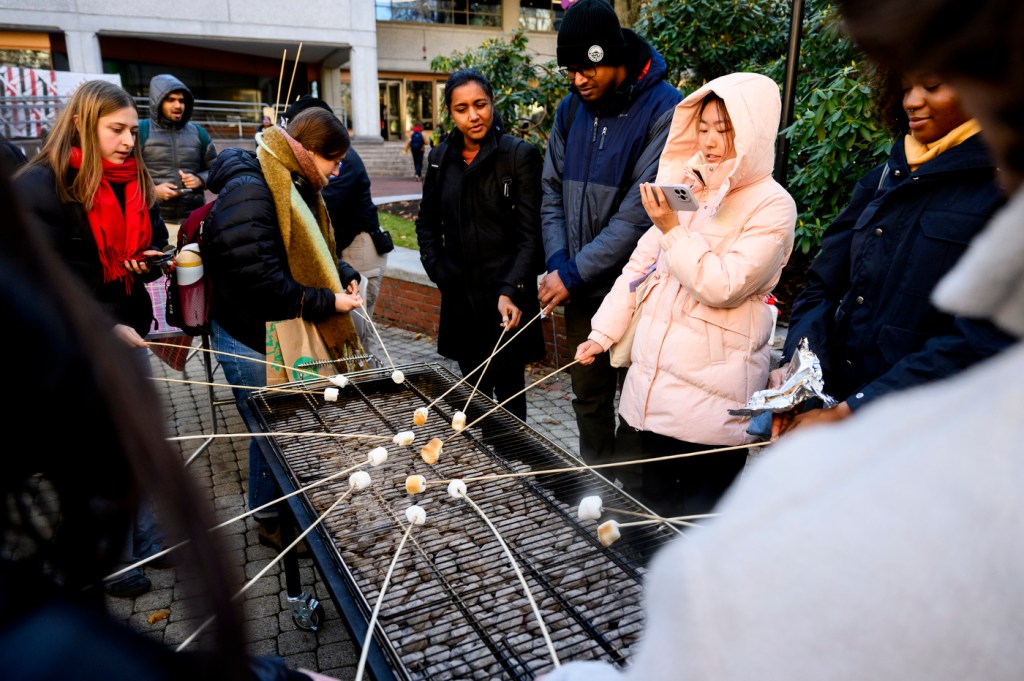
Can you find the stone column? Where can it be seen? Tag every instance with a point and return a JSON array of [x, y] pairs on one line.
[[83, 52], [365, 94]]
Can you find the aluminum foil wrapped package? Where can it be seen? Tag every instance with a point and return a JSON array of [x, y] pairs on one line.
[[803, 382]]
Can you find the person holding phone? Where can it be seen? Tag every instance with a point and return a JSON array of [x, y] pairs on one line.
[[701, 343]]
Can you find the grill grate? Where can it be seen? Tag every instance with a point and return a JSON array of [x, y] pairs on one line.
[[454, 609]]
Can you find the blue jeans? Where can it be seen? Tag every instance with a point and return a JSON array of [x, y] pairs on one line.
[[244, 372]]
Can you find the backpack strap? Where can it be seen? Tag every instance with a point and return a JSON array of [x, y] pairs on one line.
[[574, 109], [143, 132], [204, 139], [508, 146]]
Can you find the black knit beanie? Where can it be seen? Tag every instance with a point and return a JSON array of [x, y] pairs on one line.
[[590, 34], [301, 104]]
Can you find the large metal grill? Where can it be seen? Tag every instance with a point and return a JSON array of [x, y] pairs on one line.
[[454, 608]]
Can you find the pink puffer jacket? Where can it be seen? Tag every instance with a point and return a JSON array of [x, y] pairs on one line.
[[701, 346]]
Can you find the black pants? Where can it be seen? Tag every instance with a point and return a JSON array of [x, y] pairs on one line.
[[417, 162], [499, 382], [680, 486], [593, 388]]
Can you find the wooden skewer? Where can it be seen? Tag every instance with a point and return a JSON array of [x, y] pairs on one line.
[[290, 391], [280, 79], [340, 436], [321, 481], [264, 571], [503, 403], [366, 315], [522, 580], [466, 377], [295, 67], [251, 359], [678, 520], [376, 608], [658, 518], [616, 464], [487, 363]]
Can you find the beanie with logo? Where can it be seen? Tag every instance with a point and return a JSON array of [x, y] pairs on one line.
[[591, 35]]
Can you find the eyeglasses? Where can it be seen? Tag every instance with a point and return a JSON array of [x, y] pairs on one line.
[[571, 71]]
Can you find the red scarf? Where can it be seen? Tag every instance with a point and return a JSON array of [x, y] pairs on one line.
[[118, 234]]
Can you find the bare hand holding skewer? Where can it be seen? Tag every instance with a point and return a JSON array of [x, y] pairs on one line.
[[587, 352], [552, 292], [510, 314]]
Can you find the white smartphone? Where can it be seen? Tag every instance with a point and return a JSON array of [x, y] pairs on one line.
[[680, 196]]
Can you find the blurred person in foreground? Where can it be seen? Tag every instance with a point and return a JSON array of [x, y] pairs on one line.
[[887, 546], [67, 505]]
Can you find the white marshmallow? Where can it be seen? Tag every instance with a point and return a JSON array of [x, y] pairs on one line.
[[608, 533], [377, 456], [457, 489], [340, 380], [415, 515], [590, 508], [331, 394], [359, 480], [415, 484], [459, 421], [404, 438], [419, 417], [397, 376]]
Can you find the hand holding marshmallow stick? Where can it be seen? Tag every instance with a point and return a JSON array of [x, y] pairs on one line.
[[420, 416], [432, 450], [359, 480], [457, 490], [375, 457], [416, 516], [592, 507]]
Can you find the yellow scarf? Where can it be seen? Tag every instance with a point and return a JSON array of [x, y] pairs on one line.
[[918, 153], [308, 238]]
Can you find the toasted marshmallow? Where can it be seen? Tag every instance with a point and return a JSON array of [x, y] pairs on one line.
[[359, 480], [590, 508], [415, 515], [459, 421], [404, 438], [340, 380], [377, 456], [608, 533], [457, 489], [331, 394], [431, 451], [397, 376], [419, 417], [415, 484]]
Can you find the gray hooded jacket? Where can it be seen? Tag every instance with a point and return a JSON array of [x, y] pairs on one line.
[[173, 146]]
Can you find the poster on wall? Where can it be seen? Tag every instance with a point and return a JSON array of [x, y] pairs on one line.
[[30, 99]]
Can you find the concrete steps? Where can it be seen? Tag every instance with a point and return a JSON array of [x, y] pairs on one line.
[[385, 159]]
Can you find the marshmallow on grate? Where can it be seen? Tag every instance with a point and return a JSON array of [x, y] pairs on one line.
[[331, 394], [419, 417], [590, 508], [359, 480], [397, 376], [459, 421], [457, 489], [415, 484], [404, 438], [340, 380], [415, 515], [377, 456], [608, 533], [431, 451]]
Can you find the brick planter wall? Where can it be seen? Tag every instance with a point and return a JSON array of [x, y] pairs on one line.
[[416, 307]]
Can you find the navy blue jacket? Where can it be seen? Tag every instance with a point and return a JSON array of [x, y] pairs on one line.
[[591, 214], [866, 309], [349, 202]]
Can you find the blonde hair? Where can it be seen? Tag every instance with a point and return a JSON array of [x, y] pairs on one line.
[[92, 100]]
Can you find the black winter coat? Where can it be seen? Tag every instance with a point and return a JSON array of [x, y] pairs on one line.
[[476, 244], [244, 254], [866, 309], [67, 226], [349, 203]]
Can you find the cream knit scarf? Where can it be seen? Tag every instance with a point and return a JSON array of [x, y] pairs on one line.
[[308, 238]]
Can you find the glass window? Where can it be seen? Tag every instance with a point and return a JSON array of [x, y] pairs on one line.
[[419, 105], [540, 15], [462, 12]]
